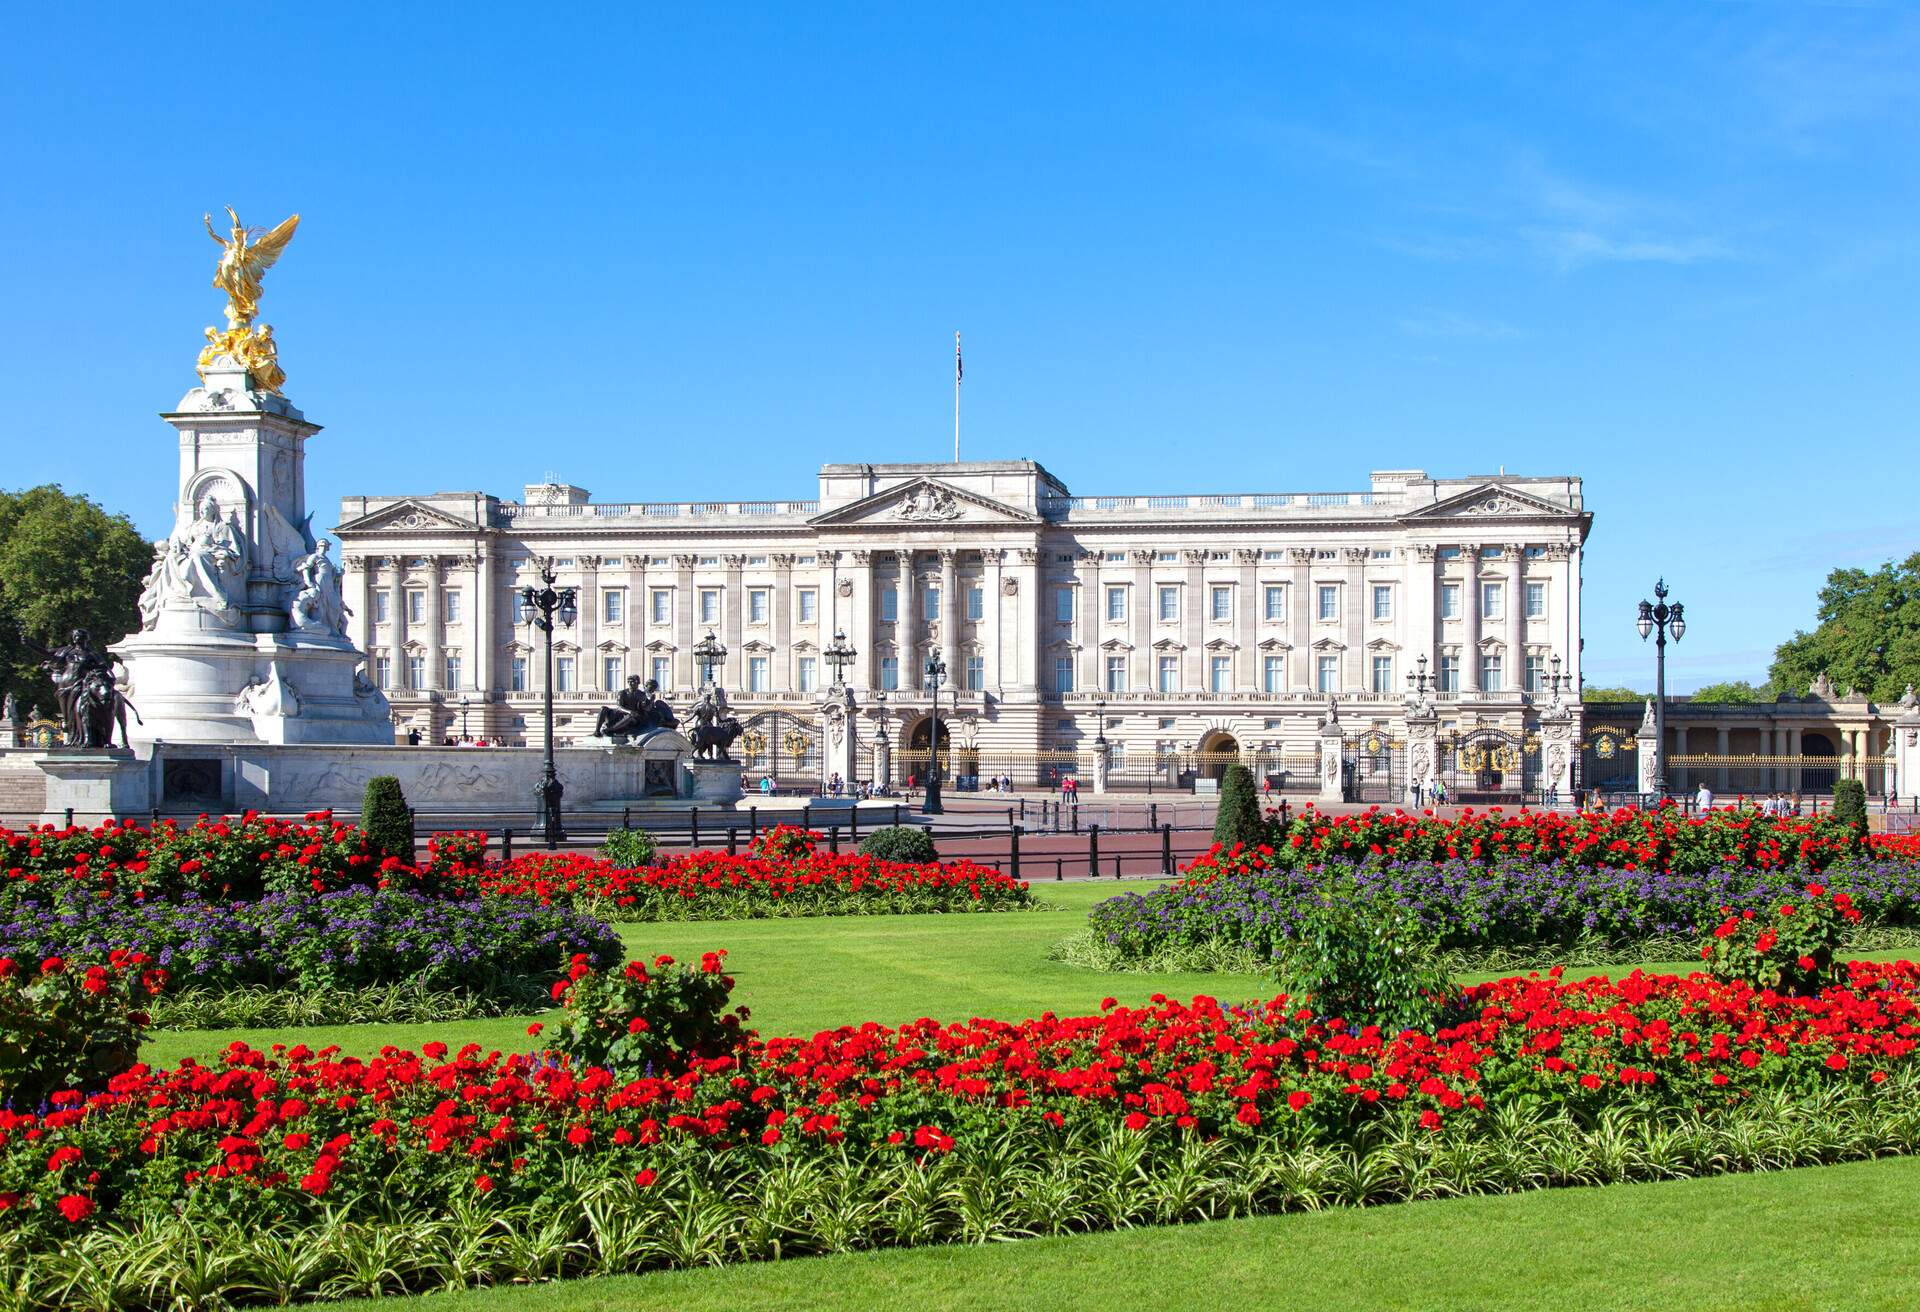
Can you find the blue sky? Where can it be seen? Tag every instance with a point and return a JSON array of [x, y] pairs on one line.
[[692, 254]]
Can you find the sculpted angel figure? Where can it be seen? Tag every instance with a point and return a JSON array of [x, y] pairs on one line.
[[245, 254], [318, 606]]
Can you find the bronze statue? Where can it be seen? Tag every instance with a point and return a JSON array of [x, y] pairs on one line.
[[637, 709], [90, 703], [714, 726]]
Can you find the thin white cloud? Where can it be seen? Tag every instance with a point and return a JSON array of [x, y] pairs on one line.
[[1453, 326], [1574, 248]]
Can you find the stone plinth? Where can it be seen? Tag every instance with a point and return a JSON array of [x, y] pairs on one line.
[[94, 782], [712, 783], [246, 687]]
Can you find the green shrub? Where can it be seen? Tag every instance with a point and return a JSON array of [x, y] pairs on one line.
[[1366, 958], [1238, 819], [64, 1025], [1788, 948], [386, 819], [1850, 805], [629, 848], [640, 1021], [900, 843]]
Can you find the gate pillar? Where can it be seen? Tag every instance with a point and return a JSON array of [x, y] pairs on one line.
[[1332, 755], [1423, 751], [1906, 747], [1647, 747]]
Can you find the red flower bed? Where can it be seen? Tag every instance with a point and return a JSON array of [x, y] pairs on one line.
[[1628, 838], [286, 1133]]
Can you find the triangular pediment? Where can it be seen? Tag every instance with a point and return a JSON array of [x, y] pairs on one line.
[[1494, 502], [407, 516], [924, 502]]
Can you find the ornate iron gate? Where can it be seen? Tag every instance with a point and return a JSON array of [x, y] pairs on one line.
[[1376, 767], [780, 744], [1490, 765]]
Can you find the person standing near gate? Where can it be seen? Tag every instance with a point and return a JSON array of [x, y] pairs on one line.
[[1704, 798]]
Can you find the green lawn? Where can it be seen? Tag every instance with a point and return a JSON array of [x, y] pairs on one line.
[[1792, 1241]]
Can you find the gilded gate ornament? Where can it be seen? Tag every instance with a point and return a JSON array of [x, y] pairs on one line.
[[246, 254]]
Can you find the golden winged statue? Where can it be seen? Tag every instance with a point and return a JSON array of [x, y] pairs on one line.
[[245, 254]]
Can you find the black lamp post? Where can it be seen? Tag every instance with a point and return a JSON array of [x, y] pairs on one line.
[[540, 607], [936, 675], [840, 654], [463, 717], [709, 654], [1100, 726], [1658, 617], [1420, 684]]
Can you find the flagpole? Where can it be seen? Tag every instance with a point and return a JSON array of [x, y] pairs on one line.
[[957, 371]]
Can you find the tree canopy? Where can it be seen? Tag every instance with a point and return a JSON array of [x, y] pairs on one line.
[[1591, 694], [65, 563], [1868, 637], [1739, 691]]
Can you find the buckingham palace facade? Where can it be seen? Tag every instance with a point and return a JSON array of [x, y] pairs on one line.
[[1207, 626]]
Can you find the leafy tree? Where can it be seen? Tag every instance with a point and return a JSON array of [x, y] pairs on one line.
[[386, 819], [1238, 819], [1612, 695], [65, 563], [1868, 637], [1738, 692], [1850, 805]]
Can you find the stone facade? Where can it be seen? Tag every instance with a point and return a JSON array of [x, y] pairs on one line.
[[1206, 624]]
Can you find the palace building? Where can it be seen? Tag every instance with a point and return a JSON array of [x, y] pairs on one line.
[[1185, 630]]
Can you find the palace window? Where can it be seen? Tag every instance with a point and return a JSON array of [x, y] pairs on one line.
[[976, 673], [709, 606], [1273, 674], [450, 605], [1275, 607], [662, 606], [383, 671], [1165, 557], [1221, 602], [756, 606], [416, 672], [1536, 601], [1114, 557], [1491, 597], [1220, 674], [1169, 604], [808, 677], [1329, 594], [1450, 673], [1449, 601], [1490, 671], [663, 671], [757, 674], [1063, 605], [517, 675], [889, 604], [976, 602], [1382, 675], [1491, 553], [703, 561], [563, 674], [453, 669], [1382, 602], [890, 673], [930, 604], [1116, 674], [1327, 674], [1169, 674], [756, 560], [808, 604], [416, 606], [613, 672], [1063, 674], [613, 606], [382, 606], [1536, 675], [1116, 605]]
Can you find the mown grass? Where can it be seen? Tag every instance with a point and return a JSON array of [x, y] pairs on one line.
[[1790, 1241]]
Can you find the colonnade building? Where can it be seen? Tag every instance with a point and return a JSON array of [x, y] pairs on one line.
[[1185, 629]]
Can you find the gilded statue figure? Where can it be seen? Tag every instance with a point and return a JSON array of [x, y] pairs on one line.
[[245, 255]]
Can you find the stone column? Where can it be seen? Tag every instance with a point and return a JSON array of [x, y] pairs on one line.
[[1300, 603], [485, 637], [733, 610], [686, 612], [436, 664], [1422, 623], [860, 628], [1246, 617], [782, 659], [364, 621], [588, 679], [1086, 621], [906, 628], [1470, 624], [1027, 575], [1514, 555], [1570, 587], [1353, 618], [950, 616], [1193, 613], [1140, 620], [990, 582]]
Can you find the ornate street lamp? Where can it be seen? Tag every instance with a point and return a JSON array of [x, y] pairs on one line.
[[1420, 684], [839, 654], [463, 717], [1658, 617], [709, 654], [936, 671], [540, 607], [1100, 730]]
